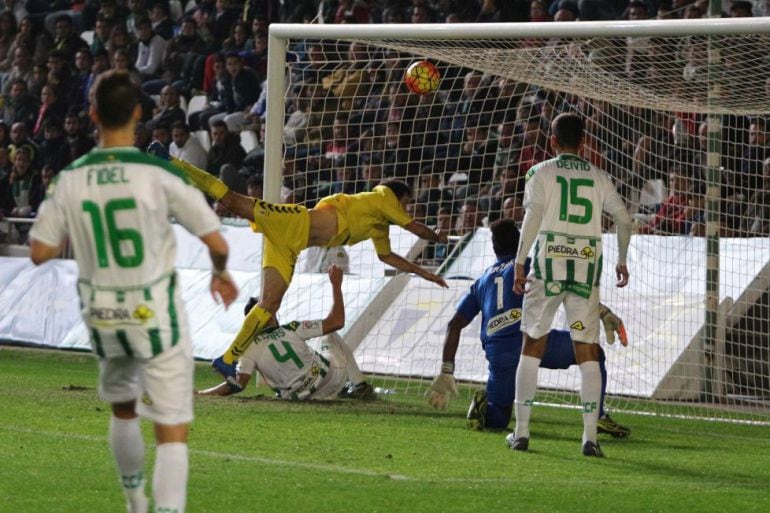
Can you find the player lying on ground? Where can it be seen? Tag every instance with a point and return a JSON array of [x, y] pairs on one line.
[[337, 220], [294, 370], [492, 295]]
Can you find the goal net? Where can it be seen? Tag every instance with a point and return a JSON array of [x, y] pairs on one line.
[[675, 113]]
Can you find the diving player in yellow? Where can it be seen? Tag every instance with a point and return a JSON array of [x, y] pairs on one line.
[[340, 219]]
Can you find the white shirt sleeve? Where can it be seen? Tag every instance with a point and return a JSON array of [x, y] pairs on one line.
[[614, 205], [189, 207], [50, 225]]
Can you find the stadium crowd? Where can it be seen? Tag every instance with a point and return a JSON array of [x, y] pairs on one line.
[[350, 121]]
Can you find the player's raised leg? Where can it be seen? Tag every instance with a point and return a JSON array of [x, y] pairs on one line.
[[274, 287]]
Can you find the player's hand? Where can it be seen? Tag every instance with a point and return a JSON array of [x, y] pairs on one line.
[[435, 278], [520, 280], [612, 324], [441, 390], [335, 275], [223, 288], [621, 271]]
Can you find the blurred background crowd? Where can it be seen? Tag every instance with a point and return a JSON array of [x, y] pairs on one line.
[[349, 119]]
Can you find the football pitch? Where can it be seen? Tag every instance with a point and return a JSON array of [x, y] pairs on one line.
[[250, 453]]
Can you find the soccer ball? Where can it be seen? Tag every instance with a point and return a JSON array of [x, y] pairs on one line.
[[422, 77]]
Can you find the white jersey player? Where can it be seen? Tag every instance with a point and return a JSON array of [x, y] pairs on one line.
[[113, 205], [564, 199], [293, 369]]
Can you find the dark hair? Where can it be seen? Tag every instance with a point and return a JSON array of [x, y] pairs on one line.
[[180, 124], [568, 129], [115, 98], [219, 123], [505, 237], [399, 188]]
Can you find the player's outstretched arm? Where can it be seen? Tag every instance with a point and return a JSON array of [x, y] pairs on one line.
[[402, 264], [336, 318], [425, 232], [222, 285], [444, 385]]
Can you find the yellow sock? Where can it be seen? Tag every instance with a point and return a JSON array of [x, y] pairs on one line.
[[254, 322], [203, 180]]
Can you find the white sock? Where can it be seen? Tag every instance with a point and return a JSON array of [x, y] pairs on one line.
[[590, 395], [128, 449], [169, 479], [526, 388]]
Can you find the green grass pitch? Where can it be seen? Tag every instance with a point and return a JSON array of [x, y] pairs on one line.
[[251, 453]]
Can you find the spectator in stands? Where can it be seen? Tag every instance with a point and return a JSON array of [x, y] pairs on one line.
[[137, 11], [150, 51], [255, 56], [162, 134], [182, 53], [102, 30], [142, 136], [161, 22], [24, 180], [513, 209], [471, 217], [21, 69], [238, 36], [345, 176], [672, 216], [8, 30], [78, 142], [754, 154], [20, 139], [51, 107], [66, 40], [637, 47], [239, 94], [185, 147], [371, 174], [59, 75], [225, 149], [19, 105], [170, 110], [122, 61], [84, 78], [756, 217], [741, 9], [121, 38], [352, 11], [254, 186], [5, 133], [476, 159], [54, 150]]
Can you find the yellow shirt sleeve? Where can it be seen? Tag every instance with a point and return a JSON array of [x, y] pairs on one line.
[[381, 240]]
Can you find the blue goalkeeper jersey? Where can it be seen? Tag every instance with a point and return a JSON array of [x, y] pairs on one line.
[[492, 295]]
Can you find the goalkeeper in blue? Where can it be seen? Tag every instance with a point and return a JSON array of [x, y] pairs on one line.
[[501, 338]]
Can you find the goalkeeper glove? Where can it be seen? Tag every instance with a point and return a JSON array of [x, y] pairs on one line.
[[612, 323], [443, 388]]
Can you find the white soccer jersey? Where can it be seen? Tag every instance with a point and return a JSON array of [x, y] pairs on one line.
[[286, 362], [567, 195], [114, 205]]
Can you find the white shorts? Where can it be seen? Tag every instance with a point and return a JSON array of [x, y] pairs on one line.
[[162, 386], [335, 378], [538, 311]]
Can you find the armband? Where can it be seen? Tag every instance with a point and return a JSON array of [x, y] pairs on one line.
[[448, 367]]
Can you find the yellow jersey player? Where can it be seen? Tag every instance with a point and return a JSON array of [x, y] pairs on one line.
[[340, 219]]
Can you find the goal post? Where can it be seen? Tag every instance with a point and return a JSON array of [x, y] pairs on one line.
[[676, 114]]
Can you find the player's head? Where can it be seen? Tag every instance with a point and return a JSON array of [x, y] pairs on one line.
[[567, 131], [505, 237], [402, 191], [115, 100]]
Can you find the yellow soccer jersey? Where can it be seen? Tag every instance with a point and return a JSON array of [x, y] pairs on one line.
[[367, 215]]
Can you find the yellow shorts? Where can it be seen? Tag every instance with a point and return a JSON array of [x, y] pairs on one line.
[[286, 229]]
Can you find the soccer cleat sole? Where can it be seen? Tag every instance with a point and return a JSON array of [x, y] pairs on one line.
[[517, 444], [477, 412]]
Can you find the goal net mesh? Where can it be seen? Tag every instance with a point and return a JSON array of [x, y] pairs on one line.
[[465, 148]]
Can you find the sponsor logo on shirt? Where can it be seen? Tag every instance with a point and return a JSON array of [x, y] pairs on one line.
[[564, 251], [503, 320]]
